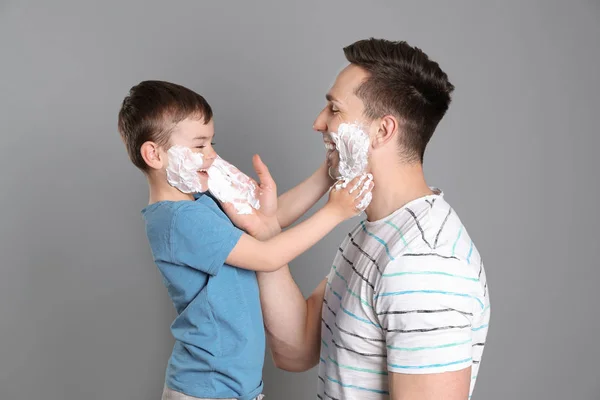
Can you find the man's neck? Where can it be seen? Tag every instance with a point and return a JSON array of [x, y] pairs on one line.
[[162, 191], [395, 186]]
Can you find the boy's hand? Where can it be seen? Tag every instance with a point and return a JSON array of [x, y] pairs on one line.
[[350, 199]]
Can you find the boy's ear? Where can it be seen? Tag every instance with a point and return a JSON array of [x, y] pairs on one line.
[[387, 129], [152, 155]]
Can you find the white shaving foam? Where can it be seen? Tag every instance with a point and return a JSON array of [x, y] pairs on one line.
[[230, 185], [352, 144], [182, 171]]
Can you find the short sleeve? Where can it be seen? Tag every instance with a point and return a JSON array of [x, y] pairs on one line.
[[425, 306], [202, 239]]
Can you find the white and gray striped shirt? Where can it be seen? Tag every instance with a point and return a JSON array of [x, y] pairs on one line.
[[406, 294]]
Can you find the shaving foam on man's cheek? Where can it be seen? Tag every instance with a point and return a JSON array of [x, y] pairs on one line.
[[182, 171], [230, 185], [352, 144]]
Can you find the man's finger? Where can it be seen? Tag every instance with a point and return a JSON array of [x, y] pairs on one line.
[[264, 176], [228, 208]]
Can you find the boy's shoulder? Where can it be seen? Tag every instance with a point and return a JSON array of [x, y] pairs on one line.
[[166, 215], [193, 233]]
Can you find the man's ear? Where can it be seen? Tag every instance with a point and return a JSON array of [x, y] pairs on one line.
[[387, 129], [151, 153]]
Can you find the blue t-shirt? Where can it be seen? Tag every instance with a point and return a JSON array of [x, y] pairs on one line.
[[219, 335]]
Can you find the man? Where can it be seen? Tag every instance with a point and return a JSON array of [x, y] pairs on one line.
[[403, 313]]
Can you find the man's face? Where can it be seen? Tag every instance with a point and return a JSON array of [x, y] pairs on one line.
[[343, 106], [197, 136]]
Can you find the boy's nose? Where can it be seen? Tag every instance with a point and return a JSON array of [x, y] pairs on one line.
[[212, 154]]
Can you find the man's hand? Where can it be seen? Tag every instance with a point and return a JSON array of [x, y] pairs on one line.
[[262, 223], [267, 189]]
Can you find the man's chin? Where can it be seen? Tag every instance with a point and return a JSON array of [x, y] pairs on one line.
[[334, 173]]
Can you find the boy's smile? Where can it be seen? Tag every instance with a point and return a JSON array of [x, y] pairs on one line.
[[198, 137]]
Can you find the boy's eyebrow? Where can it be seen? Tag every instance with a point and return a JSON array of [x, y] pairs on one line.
[[201, 137]]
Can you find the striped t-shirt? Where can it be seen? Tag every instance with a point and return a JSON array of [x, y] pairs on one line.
[[406, 294]]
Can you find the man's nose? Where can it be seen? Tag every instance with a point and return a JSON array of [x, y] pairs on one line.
[[320, 124]]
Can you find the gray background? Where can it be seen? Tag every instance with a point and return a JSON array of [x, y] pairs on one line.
[[83, 313]]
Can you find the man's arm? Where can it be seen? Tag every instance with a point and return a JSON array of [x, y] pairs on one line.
[[441, 386], [298, 200], [428, 328], [292, 324]]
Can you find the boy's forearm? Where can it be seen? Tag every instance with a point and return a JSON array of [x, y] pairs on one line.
[[298, 200], [260, 255], [288, 245]]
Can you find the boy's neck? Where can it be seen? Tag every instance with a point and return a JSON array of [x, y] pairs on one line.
[[162, 191], [395, 187]]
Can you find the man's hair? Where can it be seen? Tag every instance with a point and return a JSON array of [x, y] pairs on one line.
[[151, 111], [405, 83]]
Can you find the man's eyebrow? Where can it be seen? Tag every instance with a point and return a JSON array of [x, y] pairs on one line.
[[329, 97]]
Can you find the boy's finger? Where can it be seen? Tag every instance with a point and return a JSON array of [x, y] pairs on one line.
[[366, 188], [363, 201], [354, 181], [359, 183]]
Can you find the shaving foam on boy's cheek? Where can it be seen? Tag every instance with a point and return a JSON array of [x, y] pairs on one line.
[[182, 171], [352, 144], [230, 185]]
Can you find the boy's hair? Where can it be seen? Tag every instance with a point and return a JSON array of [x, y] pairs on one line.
[[405, 83], [151, 111]]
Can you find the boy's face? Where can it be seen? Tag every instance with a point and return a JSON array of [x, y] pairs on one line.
[[198, 137]]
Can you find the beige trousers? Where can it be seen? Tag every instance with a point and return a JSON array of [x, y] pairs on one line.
[[170, 394]]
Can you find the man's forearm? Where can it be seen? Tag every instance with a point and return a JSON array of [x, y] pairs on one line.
[[292, 324], [298, 200]]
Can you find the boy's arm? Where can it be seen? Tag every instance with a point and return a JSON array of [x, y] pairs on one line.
[[270, 255], [250, 253], [298, 200]]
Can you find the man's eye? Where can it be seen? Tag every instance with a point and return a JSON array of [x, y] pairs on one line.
[[334, 109]]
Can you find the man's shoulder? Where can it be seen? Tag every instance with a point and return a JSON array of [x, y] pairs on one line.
[[432, 224]]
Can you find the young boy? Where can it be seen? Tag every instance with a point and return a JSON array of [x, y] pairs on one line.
[[208, 265]]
